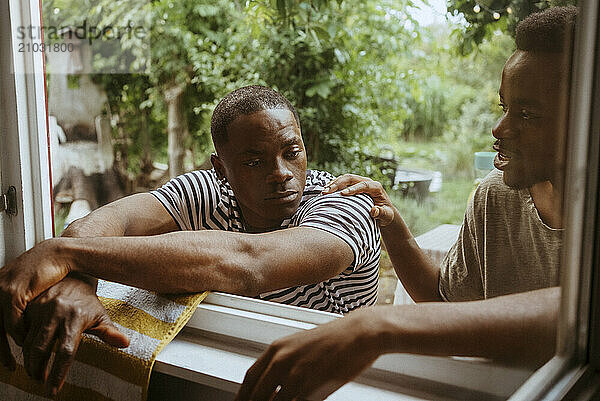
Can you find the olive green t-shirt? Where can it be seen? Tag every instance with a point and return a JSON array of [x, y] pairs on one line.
[[503, 247]]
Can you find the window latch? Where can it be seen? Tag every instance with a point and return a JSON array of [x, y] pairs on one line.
[[8, 201]]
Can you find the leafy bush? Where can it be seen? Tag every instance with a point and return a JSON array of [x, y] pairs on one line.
[[364, 76]]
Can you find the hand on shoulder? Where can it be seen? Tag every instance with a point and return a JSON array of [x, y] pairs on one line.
[[351, 184]]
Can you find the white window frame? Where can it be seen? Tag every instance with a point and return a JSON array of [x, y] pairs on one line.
[[25, 156], [234, 322], [240, 324], [575, 366], [573, 371]]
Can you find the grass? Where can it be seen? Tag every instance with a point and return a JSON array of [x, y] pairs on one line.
[[444, 207]]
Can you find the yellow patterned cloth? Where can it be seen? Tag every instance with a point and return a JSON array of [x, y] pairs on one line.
[[101, 372]]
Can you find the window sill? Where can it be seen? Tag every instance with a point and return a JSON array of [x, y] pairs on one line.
[[227, 333], [221, 365]]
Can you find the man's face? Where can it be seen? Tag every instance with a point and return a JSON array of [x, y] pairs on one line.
[[264, 161], [531, 133]]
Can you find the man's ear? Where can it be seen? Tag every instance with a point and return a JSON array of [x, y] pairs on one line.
[[218, 166]]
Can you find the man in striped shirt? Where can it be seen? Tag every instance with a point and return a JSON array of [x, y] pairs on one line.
[[255, 225]]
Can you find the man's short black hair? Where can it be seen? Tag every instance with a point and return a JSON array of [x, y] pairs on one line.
[[551, 30], [244, 101]]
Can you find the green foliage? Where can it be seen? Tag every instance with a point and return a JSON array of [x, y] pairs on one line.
[[482, 24], [453, 102], [477, 77], [364, 77], [193, 45], [445, 207], [60, 216], [336, 62], [372, 87]]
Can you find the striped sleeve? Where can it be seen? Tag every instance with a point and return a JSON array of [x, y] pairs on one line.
[[192, 199], [348, 218]]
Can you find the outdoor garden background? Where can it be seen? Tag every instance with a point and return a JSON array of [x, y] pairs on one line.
[[378, 87]]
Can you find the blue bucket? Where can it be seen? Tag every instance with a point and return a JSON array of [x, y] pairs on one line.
[[484, 160]]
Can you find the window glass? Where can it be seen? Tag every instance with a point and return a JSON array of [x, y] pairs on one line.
[[404, 92]]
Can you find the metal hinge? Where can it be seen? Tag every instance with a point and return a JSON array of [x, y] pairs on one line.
[[8, 201]]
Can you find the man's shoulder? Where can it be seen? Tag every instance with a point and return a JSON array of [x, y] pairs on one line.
[[194, 187], [210, 174], [493, 181], [336, 204], [493, 199], [492, 190], [206, 177], [316, 179]]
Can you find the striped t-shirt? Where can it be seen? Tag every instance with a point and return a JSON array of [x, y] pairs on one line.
[[199, 201]]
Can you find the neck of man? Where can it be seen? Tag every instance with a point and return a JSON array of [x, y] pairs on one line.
[[257, 230], [256, 226], [547, 198]]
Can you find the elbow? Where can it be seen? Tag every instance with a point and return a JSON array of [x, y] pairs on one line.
[[76, 229], [103, 222]]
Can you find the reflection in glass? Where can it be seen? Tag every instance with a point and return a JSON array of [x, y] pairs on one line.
[[380, 91]]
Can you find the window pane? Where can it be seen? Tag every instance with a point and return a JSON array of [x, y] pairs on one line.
[[437, 103]]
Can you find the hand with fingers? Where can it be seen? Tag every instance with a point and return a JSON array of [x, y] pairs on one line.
[[314, 363], [58, 317], [21, 281], [351, 184]]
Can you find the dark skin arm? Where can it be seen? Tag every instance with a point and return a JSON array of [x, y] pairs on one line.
[[246, 264], [59, 315], [518, 329], [416, 271]]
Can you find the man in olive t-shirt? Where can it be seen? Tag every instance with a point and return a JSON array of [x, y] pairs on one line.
[[503, 246], [510, 242]]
